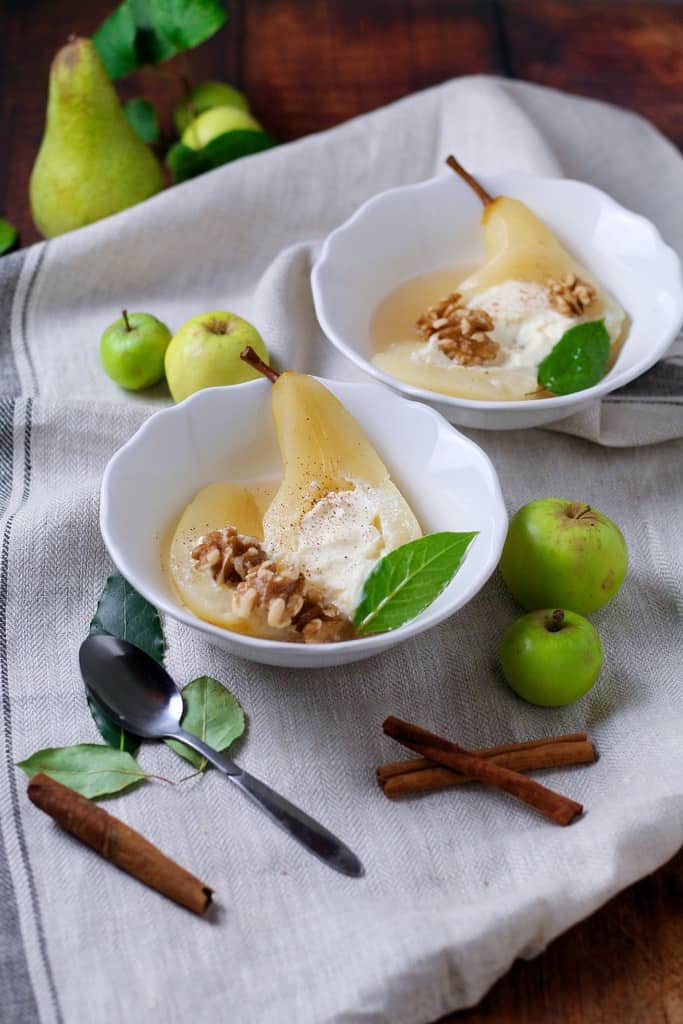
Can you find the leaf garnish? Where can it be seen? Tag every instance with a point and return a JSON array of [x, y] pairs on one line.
[[124, 613], [150, 31], [8, 236], [578, 360], [90, 768], [212, 714], [408, 579], [142, 118]]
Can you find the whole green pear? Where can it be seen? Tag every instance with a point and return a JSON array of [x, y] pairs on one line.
[[204, 96], [90, 163]]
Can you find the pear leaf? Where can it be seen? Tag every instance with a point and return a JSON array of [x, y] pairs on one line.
[[115, 42], [90, 768], [408, 579], [8, 236], [578, 360], [142, 118], [212, 714], [185, 163], [124, 613], [150, 31]]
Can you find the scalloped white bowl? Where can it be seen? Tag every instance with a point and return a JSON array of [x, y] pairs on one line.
[[418, 228], [228, 434]]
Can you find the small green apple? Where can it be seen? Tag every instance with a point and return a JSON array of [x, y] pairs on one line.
[[205, 353], [551, 657], [132, 350], [563, 553], [204, 96], [215, 122]]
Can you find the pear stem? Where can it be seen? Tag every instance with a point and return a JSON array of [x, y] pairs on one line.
[[126, 321], [556, 621], [249, 356], [472, 182]]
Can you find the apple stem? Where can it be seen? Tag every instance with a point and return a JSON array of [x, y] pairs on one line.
[[126, 321], [248, 355], [556, 621], [485, 197], [584, 512]]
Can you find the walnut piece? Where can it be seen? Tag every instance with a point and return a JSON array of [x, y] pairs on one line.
[[459, 332], [284, 599], [277, 596], [570, 295], [230, 555]]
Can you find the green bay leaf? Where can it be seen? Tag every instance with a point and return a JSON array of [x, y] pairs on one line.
[[578, 360], [8, 236], [89, 768], [212, 714], [124, 613], [408, 579], [142, 118]]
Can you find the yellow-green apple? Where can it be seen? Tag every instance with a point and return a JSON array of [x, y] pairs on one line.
[[215, 122], [204, 96], [205, 353]]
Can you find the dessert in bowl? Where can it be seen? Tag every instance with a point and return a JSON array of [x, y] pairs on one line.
[[267, 553], [509, 316]]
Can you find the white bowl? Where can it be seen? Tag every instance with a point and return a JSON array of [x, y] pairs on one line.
[[228, 434], [412, 230]]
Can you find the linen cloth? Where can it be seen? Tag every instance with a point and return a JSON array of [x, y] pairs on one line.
[[457, 884]]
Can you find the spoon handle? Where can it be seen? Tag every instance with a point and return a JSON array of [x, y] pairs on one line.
[[291, 819]]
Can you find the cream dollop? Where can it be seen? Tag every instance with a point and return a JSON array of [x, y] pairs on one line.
[[339, 540], [526, 326]]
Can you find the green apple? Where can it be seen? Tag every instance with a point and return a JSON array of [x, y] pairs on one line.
[[132, 350], [215, 122], [564, 554], [551, 657], [205, 353], [204, 96]]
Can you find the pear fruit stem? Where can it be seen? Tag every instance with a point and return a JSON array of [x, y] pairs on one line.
[[249, 356], [472, 182], [124, 314]]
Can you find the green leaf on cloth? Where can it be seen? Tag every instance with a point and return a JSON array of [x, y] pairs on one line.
[[408, 579], [89, 768], [185, 163], [578, 360], [8, 236], [142, 118], [124, 613], [150, 31], [212, 714]]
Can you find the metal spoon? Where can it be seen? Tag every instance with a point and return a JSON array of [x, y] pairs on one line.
[[138, 694]]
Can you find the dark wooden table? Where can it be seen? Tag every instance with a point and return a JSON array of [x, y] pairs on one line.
[[306, 65]]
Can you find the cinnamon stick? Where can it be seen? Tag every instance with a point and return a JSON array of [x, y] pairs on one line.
[[249, 356], [420, 775], [118, 843], [558, 808], [454, 165]]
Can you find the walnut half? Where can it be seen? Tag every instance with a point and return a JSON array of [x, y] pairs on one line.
[[459, 332], [570, 295], [228, 554]]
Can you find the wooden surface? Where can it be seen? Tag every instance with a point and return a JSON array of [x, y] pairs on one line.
[[306, 65]]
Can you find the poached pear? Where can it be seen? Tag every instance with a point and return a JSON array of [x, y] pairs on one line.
[[335, 513], [90, 163], [520, 287]]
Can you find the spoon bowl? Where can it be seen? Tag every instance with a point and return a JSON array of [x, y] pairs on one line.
[[130, 686]]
